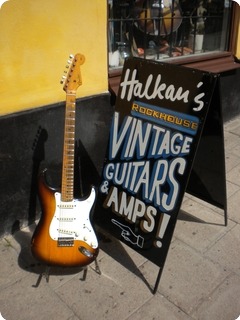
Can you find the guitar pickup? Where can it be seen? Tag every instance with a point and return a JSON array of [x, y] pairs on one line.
[[65, 242]]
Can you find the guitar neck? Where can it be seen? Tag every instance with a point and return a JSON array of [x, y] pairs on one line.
[[67, 189]]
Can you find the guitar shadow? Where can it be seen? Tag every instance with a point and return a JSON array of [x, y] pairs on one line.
[[38, 148], [23, 236]]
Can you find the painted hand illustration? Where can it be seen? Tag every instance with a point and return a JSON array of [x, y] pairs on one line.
[[129, 235]]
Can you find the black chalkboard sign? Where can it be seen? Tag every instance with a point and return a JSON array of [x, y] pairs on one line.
[[156, 127]]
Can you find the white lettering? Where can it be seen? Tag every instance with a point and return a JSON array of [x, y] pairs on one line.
[[132, 87], [198, 98]]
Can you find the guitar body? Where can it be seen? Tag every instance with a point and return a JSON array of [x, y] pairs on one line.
[[157, 17], [64, 235]]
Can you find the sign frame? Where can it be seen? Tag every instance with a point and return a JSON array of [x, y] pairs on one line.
[[157, 125]]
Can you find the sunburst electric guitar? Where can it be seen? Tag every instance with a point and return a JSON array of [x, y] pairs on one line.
[[64, 235], [159, 17]]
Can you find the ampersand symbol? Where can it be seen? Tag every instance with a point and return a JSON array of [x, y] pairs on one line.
[[104, 187]]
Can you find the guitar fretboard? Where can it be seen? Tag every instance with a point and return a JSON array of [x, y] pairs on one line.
[[67, 189]]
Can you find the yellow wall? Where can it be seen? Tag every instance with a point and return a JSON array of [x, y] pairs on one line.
[[36, 39]]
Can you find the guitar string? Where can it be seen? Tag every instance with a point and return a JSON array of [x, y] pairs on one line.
[[68, 170]]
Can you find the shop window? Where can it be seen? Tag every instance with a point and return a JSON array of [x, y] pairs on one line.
[[163, 29]]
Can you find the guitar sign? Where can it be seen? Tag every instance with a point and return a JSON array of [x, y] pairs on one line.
[[157, 123]]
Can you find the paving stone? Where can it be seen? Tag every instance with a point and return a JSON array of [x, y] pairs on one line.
[[187, 276], [234, 175], [158, 307], [232, 188], [233, 126], [196, 202], [223, 303], [226, 250], [231, 140], [24, 302], [10, 270], [73, 318], [231, 161], [234, 206], [115, 294], [202, 228]]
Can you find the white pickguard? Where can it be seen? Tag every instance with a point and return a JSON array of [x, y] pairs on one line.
[[71, 219]]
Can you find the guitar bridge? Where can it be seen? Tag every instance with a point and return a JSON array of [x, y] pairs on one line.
[[65, 242]]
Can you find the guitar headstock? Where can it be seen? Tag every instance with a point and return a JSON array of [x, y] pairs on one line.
[[72, 79]]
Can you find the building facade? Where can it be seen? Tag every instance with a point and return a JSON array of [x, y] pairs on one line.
[[36, 40]]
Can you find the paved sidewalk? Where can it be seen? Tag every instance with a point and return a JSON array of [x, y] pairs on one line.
[[201, 278]]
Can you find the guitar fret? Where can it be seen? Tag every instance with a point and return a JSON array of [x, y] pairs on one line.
[[69, 148], [68, 155]]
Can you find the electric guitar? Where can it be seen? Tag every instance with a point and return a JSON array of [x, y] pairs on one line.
[[64, 235]]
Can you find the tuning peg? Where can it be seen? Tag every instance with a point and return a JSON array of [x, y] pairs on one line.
[[63, 79]]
